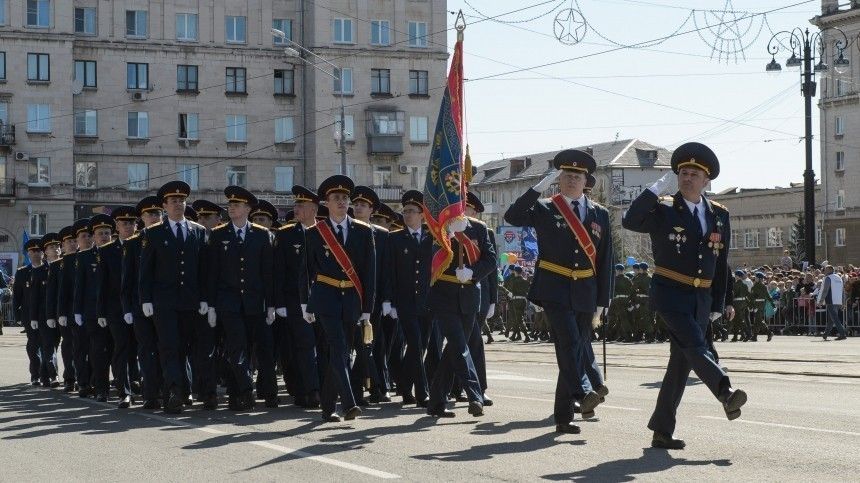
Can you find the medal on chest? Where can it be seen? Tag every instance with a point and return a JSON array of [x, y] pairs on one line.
[[678, 238]]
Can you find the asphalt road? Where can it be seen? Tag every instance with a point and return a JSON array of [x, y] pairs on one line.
[[802, 423]]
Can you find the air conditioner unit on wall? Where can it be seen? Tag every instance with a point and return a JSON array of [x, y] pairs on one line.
[[19, 156], [404, 169], [138, 96]]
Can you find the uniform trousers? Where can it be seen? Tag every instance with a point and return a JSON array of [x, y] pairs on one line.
[[456, 360], [172, 328], [82, 353], [147, 355], [67, 350], [48, 340], [298, 342], [416, 330], [121, 334], [572, 383], [240, 331], [33, 354], [337, 333], [100, 355]]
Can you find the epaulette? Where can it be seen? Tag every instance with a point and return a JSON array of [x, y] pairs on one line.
[[288, 225], [396, 230], [381, 228], [719, 205], [259, 226], [22, 268], [361, 222], [86, 249], [133, 237], [475, 220], [157, 223], [194, 223], [220, 227], [108, 244], [667, 200]]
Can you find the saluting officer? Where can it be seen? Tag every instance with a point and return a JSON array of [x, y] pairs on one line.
[[171, 291], [22, 295], [45, 314], [338, 280], [405, 283], [689, 237], [60, 288], [149, 210], [573, 277], [240, 280], [68, 296], [298, 341]]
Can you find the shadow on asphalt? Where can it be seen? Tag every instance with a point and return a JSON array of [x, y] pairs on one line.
[[653, 460]]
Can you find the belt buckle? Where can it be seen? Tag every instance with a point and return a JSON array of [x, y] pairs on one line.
[[341, 283], [696, 282]]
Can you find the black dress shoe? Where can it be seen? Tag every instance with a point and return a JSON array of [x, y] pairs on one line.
[[314, 400], [173, 405], [247, 401], [568, 428], [188, 400], [602, 391], [152, 404], [35, 383], [732, 400], [124, 402], [424, 403], [487, 401], [460, 397], [841, 337], [665, 441], [352, 413], [589, 402], [441, 413], [476, 408], [102, 397], [272, 402], [69, 388], [300, 401], [54, 383], [135, 387], [233, 403], [409, 399], [331, 418], [210, 402]]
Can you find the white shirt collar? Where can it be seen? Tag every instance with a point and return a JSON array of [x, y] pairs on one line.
[[582, 204], [412, 232], [342, 223], [700, 205], [237, 228]]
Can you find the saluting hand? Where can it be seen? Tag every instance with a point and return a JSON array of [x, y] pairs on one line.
[[545, 183], [667, 184]]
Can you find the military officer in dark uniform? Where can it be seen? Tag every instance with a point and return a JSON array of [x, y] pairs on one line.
[[170, 286], [58, 291], [405, 283], [240, 280], [298, 340], [149, 210], [45, 308], [689, 238], [68, 295], [22, 294], [264, 214], [573, 277], [338, 280], [208, 213], [385, 216]]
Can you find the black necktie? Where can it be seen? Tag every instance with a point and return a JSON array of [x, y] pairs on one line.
[[340, 235], [698, 223], [576, 209], [417, 237], [239, 234], [179, 236]]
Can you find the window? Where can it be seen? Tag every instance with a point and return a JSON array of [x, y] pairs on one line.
[[138, 125], [418, 34], [38, 13], [380, 32], [385, 123], [38, 67], [343, 81], [38, 224], [349, 127], [236, 80], [840, 237], [86, 123], [840, 160], [138, 176], [188, 126], [135, 23], [137, 76], [85, 175], [418, 83], [3, 13], [2, 64], [85, 21], [189, 173], [235, 29], [751, 238], [186, 27], [733, 244], [840, 126], [4, 112], [380, 81], [418, 129], [350, 170], [186, 78], [342, 31], [841, 87], [237, 175], [284, 25], [39, 172], [284, 130], [818, 234], [283, 178], [236, 132], [774, 237], [38, 118], [284, 82], [382, 176], [840, 200], [85, 71]]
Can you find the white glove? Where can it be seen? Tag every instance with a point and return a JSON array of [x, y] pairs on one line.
[[601, 311], [730, 312], [211, 317], [386, 308], [51, 323], [34, 324], [63, 320], [715, 316], [147, 309], [270, 315], [79, 320], [456, 225], [547, 181], [128, 318], [491, 311], [309, 318], [667, 184], [281, 311], [204, 308], [393, 313], [364, 317], [102, 322], [464, 274]]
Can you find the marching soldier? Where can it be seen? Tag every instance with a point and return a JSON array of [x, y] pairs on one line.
[[239, 270], [298, 341], [689, 234], [68, 294], [406, 281], [338, 278], [171, 292], [517, 288], [757, 298], [21, 302], [56, 313], [741, 296], [395, 341], [645, 326], [43, 308], [619, 311]]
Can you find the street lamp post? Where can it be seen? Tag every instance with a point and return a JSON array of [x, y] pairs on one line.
[[806, 48], [336, 74]]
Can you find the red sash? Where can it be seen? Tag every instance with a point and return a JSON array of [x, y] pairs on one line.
[[579, 231], [473, 253], [341, 256]]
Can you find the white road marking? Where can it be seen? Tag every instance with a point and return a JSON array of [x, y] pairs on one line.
[[787, 426], [514, 377], [623, 408]]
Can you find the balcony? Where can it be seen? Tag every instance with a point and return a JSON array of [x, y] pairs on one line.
[[7, 187], [385, 132], [7, 135], [388, 193]]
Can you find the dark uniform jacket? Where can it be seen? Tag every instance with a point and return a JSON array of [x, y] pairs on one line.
[[20, 290], [109, 295], [288, 251], [37, 297], [380, 241], [87, 279], [489, 285], [327, 300], [52, 291], [557, 244], [464, 298], [129, 293], [170, 275], [406, 277], [240, 273], [66, 287], [702, 258]]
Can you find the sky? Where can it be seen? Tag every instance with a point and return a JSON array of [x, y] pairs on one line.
[[665, 94]]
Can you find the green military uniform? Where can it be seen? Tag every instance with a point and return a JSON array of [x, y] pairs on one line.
[[517, 288], [740, 303], [757, 299], [619, 310], [643, 323]]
